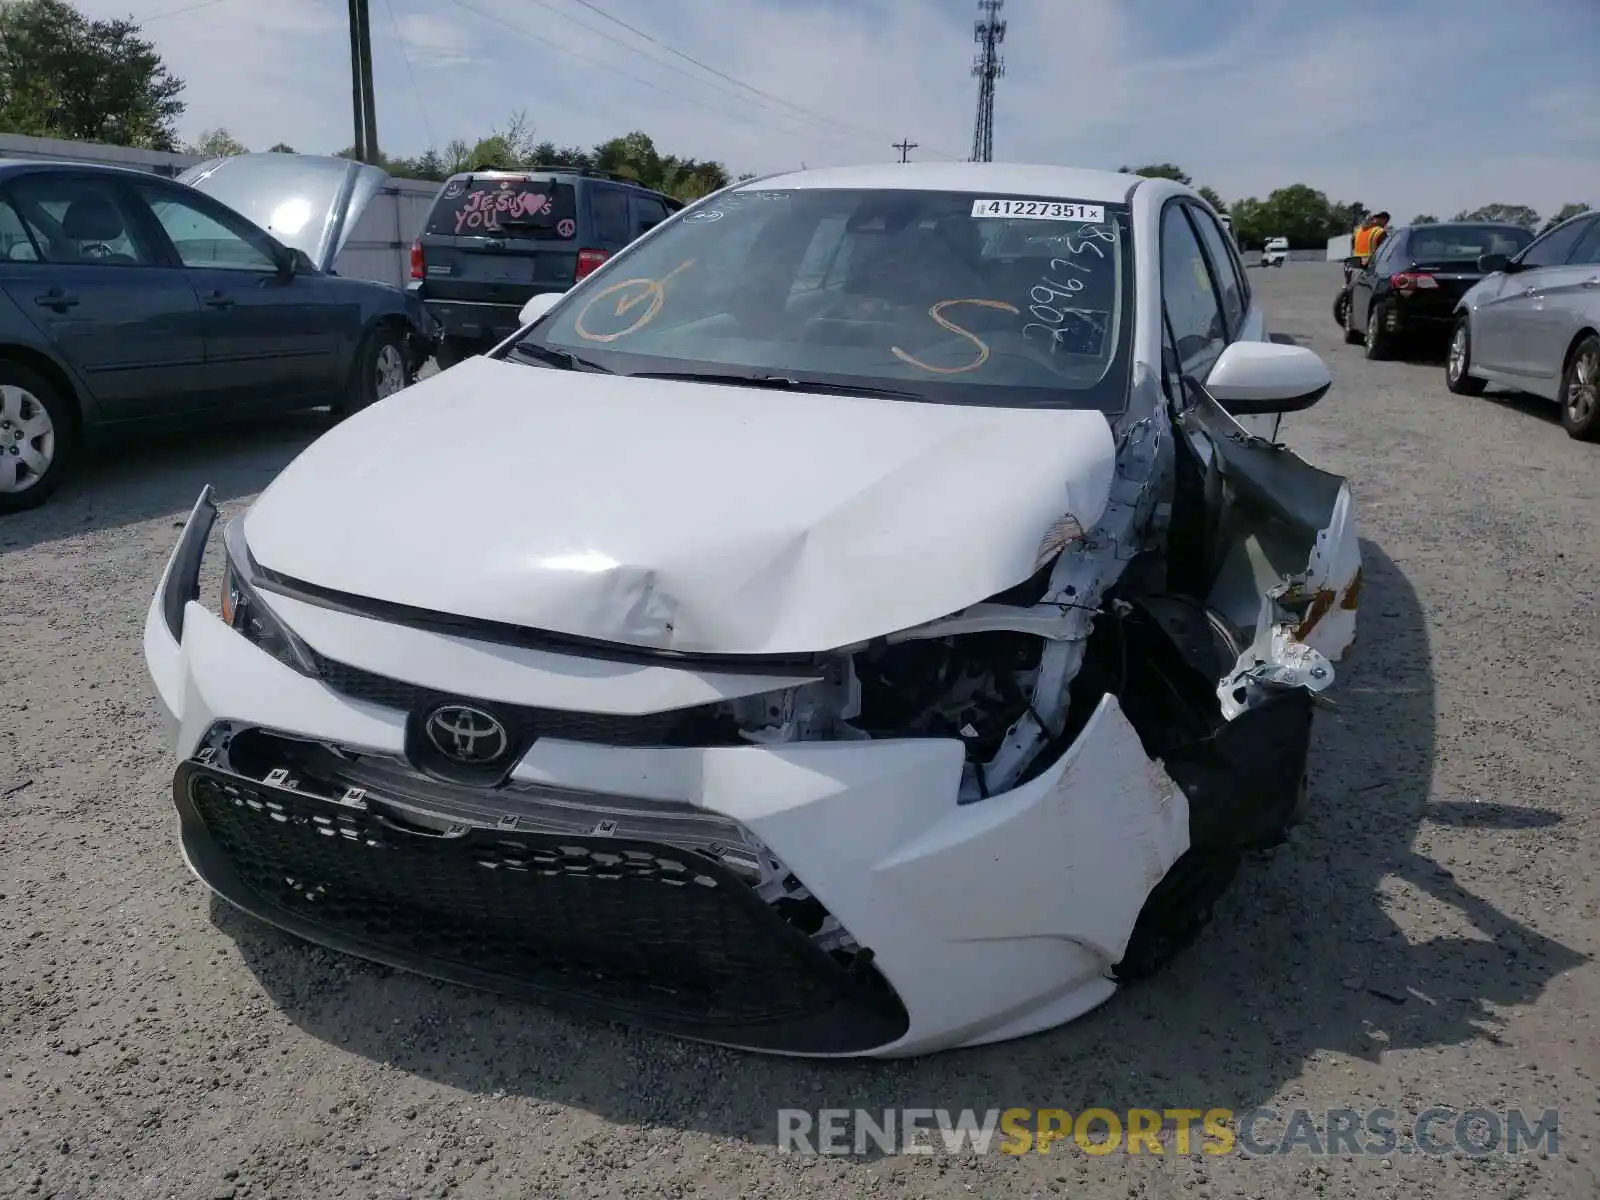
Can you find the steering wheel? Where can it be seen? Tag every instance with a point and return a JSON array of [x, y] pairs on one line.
[[95, 250]]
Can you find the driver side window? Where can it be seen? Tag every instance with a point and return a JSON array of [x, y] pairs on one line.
[[1552, 249], [1193, 308], [202, 239]]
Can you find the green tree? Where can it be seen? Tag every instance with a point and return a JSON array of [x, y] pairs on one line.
[[1515, 214], [218, 143], [1300, 213], [64, 76], [1424, 219], [1214, 198], [1565, 213], [1159, 171]]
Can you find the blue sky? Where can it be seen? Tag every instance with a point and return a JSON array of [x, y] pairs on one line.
[[1415, 106]]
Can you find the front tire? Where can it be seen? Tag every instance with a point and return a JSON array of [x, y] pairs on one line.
[[1378, 342], [1352, 335], [1459, 363], [1341, 308], [1580, 390], [380, 370], [36, 438]]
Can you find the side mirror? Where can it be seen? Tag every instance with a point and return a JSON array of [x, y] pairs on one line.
[[1490, 263], [1263, 378], [537, 306]]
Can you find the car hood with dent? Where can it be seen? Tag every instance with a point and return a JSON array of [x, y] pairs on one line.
[[680, 516], [308, 202]]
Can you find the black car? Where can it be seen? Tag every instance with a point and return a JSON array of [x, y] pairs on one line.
[[131, 302], [1410, 288], [494, 239]]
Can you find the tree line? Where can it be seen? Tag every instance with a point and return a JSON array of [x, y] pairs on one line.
[[1309, 219], [516, 146], [65, 76]]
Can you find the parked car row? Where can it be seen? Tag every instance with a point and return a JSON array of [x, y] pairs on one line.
[[129, 302], [1519, 311]]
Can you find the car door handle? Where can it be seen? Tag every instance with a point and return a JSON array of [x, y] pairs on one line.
[[56, 299], [220, 300]]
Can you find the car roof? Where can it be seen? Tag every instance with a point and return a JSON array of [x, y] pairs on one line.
[[1067, 183], [562, 172], [17, 166]]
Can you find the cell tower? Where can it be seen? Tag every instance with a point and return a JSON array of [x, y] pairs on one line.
[[988, 67]]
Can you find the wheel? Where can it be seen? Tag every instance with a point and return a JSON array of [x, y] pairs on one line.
[[1580, 390], [1302, 802], [453, 349], [1352, 335], [1377, 341], [1177, 910], [1460, 360], [380, 370], [36, 438], [1341, 306]]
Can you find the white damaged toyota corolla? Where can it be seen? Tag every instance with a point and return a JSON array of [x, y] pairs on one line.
[[864, 617]]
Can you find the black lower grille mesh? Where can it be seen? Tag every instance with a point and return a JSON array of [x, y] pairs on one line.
[[702, 726], [640, 932]]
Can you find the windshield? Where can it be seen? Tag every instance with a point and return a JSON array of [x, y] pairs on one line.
[[1446, 242], [484, 207], [937, 296]]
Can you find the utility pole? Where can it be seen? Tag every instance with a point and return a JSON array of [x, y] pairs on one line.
[[362, 100], [905, 148], [988, 67]]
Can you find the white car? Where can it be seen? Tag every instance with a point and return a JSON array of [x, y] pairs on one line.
[[849, 622], [1275, 253]]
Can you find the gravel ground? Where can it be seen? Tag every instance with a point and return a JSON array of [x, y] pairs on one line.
[[1425, 939]]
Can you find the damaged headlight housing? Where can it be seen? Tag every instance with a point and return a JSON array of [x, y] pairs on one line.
[[246, 614]]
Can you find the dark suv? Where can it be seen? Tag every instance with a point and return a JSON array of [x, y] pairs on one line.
[[495, 238]]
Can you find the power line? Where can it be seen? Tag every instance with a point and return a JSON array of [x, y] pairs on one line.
[[416, 92], [988, 67], [720, 74], [178, 12], [822, 121], [905, 147], [503, 24]]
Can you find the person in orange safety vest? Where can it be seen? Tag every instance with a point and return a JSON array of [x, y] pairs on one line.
[[1369, 235]]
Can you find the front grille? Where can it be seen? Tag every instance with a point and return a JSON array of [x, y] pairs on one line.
[[705, 725], [638, 931]]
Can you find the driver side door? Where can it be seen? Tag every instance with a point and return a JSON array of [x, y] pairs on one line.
[[272, 337], [1205, 305], [1505, 315]]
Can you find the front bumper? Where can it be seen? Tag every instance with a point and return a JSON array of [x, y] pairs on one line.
[[950, 924]]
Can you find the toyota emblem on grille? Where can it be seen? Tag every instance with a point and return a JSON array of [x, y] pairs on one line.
[[466, 735]]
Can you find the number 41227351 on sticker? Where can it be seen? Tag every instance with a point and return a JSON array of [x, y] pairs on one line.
[[1040, 210]]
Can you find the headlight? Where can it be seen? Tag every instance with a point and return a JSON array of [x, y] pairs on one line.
[[244, 612]]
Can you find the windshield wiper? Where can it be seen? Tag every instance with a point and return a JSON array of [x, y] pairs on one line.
[[781, 382], [560, 358]]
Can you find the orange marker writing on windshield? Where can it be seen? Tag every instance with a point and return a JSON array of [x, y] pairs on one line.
[[983, 346]]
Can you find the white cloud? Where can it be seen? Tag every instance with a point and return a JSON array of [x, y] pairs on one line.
[[1272, 93]]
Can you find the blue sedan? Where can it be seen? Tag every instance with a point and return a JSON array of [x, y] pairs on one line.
[[129, 302]]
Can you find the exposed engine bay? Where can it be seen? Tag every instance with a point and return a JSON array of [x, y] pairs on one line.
[[1210, 600], [1225, 571]]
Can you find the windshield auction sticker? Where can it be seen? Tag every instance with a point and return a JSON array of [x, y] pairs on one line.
[[1040, 210]]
